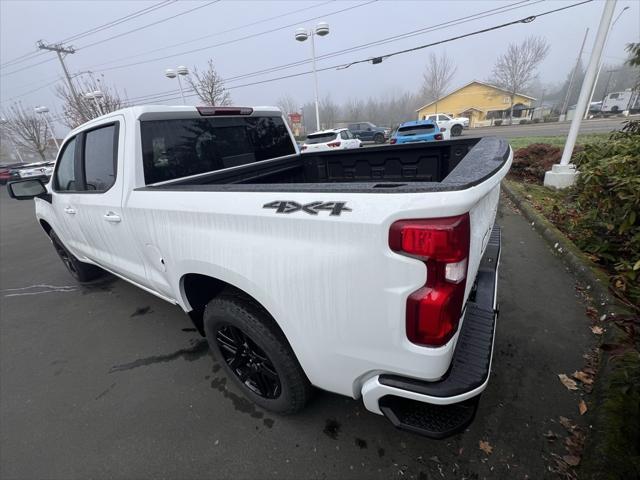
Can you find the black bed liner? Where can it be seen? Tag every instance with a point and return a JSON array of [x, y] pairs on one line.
[[442, 166]]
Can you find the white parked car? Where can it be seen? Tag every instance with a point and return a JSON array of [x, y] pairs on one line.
[[371, 273], [449, 124], [333, 139]]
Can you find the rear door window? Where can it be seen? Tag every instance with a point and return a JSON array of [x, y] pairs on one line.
[[100, 157], [182, 147], [65, 179]]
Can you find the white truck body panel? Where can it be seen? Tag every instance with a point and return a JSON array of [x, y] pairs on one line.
[[332, 283]]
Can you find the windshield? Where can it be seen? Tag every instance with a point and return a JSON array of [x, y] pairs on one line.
[[182, 147], [416, 130], [320, 138]]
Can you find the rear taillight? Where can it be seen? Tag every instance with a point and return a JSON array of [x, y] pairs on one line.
[[333, 144], [303, 147], [433, 311], [443, 129], [438, 136], [393, 141]]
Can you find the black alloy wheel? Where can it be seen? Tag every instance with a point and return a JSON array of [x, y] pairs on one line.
[[248, 362]]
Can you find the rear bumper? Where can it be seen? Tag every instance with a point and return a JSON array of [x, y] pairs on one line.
[[441, 408]]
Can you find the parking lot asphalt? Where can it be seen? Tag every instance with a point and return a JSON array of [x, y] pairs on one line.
[[108, 381]]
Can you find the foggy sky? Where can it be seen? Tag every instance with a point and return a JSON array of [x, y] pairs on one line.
[[22, 23]]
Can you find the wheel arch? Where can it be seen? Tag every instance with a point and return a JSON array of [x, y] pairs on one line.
[[45, 226], [197, 289]]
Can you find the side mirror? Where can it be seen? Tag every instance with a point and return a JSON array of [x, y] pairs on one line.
[[26, 189]]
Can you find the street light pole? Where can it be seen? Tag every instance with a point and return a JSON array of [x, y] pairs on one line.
[[563, 174], [315, 79], [171, 73], [43, 111], [595, 83], [301, 34]]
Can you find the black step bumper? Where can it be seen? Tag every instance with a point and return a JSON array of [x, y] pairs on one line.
[[470, 365]]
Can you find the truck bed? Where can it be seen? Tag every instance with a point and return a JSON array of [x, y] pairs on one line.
[[442, 166]]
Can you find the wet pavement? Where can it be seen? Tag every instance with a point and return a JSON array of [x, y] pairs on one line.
[[108, 381]]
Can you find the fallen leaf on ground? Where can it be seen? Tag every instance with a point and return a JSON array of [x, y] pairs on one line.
[[550, 436], [566, 423], [597, 330], [567, 382], [582, 407], [583, 377], [592, 312], [571, 460], [485, 447]]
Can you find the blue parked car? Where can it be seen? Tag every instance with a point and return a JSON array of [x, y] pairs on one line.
[[417, 131]]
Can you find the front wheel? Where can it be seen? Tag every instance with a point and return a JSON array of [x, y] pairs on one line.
[[82, 272], [255, 354], [456, 130]]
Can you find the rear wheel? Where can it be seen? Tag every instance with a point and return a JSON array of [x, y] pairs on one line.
[[378, 138], [255, 354], [456, 130], [82, 272]]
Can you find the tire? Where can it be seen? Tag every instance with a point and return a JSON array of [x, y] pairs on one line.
[[82, 272], [615, 109], [263, 365], [378, 138], [456, 130]]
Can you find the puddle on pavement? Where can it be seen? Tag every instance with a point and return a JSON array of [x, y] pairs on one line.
[[197, 350]]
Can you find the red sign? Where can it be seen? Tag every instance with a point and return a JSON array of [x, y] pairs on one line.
[[295, 117]]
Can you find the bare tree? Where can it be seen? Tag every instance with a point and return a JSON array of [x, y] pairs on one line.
[[515, 69], [437, 76], [288, 105], [86, 108], [27, 129], [354, 110], [329, 112], [209, 86]]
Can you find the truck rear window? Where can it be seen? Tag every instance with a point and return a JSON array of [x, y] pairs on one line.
[[182, 147], [416, 130]]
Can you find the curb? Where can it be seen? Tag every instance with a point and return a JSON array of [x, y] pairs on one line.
[[607, 444]]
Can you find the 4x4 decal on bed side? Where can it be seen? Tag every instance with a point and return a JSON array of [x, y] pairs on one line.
[[313, 208]]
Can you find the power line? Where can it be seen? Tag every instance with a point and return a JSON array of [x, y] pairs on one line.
[[118, 35], [402, 36], [113, 23], [477, 32], [525, 20], [253, 35], [120, 20], [214, 34], [148, 25]]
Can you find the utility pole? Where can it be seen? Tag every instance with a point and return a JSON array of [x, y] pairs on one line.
[[564, 174], [60, 49], [604, 50], [565, 104]]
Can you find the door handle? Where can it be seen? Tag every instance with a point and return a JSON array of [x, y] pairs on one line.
[[111, 217], [70, 211]]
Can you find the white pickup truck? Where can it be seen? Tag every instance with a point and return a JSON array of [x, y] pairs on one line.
[[370, 272], [449, 124]]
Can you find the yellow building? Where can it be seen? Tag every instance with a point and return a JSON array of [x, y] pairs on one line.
[[480, 102]]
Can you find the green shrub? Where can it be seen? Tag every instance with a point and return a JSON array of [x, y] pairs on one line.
[[536, 120], [524, 121], [608, 199], [497, 123]]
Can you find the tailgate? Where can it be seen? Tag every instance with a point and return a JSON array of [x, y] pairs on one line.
[[482, 217]]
